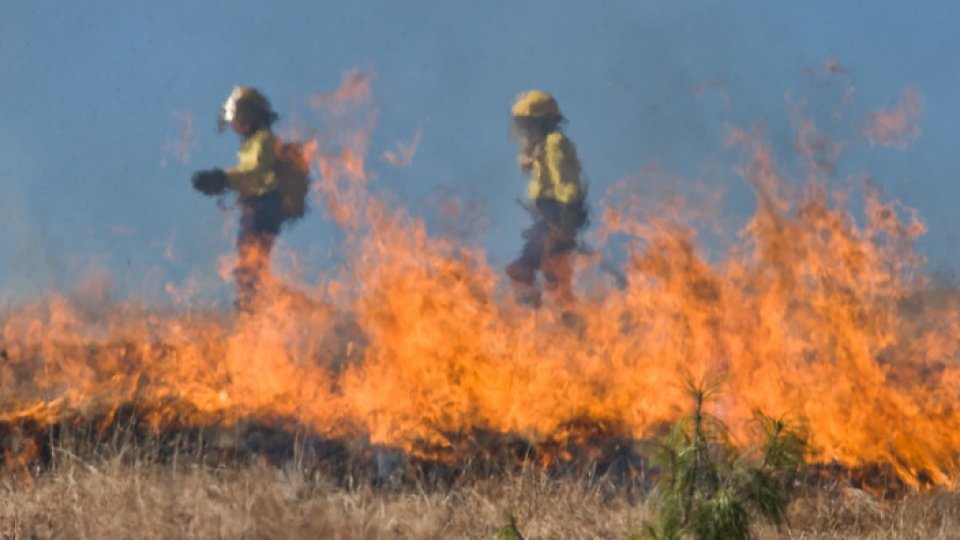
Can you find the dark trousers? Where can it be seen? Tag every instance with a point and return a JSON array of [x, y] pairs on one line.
[[259, 225], [545, 249]]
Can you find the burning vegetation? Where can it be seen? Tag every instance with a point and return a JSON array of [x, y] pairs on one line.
[[415, 354]]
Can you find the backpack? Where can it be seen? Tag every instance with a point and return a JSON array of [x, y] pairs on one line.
[[293, 178]]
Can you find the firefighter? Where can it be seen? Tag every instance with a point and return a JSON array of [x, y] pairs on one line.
[[254, 179], [557, 199]]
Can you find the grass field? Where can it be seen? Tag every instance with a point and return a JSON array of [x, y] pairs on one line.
[[109, 490]]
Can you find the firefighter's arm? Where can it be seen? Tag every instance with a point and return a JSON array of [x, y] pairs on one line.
[[564, 168], [253, 175]]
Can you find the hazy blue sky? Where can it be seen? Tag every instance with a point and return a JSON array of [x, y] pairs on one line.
[[90, 92]]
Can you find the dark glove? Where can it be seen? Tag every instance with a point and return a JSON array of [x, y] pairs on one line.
[[211, 182]]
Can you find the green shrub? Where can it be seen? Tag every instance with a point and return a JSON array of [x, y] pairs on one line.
[[709, 490]]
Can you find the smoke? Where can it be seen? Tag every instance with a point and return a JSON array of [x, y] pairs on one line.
[[896, 126], [717, 87], [182, 145], [28, 259], [402, 156]]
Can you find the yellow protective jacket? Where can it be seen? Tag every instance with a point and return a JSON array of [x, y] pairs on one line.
[[255, 172], [555, 173]]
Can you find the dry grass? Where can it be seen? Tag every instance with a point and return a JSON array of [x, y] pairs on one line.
[[851, 513], [117, 500], [113, 494]]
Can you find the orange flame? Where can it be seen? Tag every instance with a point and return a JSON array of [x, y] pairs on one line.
[[897, 126], [416, 344]]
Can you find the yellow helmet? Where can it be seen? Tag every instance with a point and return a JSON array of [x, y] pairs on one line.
[[246, 103], [536, 104]]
